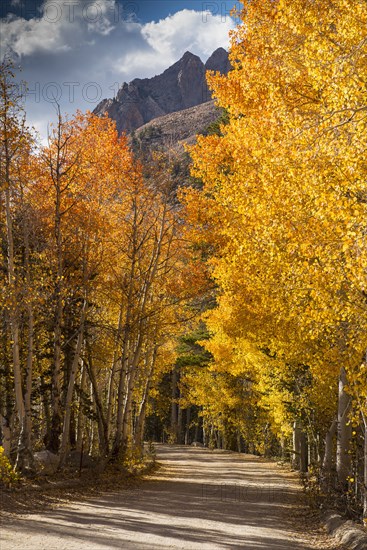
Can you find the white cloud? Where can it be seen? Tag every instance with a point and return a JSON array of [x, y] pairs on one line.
[[199, 32], [99, 16], [83, 55], [61, 26]]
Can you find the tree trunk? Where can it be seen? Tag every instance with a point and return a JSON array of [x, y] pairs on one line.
[[127, 419], [179, 425], [238, 438], [187, 430], [364, 418], [116, 362], [6, 390], [102, 423], [344, 432], [81, 418], [139, 430], [45, 403], [14, 321], [52, 438], [283, 448], [304, 452], [196, 434], [327, 462], [120, 405], [64, 447], [174, 406], [136, 310], [25, 460], [122, 389], [13, 137], [296, 452]]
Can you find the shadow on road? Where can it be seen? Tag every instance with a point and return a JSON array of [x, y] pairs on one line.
[[201, 499]]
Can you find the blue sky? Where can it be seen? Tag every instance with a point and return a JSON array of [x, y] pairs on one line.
[[151, 10], [81, 51], [144, 10]]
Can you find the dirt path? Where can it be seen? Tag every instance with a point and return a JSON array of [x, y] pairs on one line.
[[200, 499]]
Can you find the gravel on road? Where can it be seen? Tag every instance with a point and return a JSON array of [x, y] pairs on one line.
[[199, 499]]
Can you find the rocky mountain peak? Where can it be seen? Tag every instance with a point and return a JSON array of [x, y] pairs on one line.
[[181, 86], [218, 61], [188, 56]]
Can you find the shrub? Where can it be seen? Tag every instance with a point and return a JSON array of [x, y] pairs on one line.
[[8, 476]]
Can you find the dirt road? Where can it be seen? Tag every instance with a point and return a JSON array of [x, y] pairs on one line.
[[200, 500]]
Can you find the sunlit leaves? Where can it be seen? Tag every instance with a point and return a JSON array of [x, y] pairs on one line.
[[283, 204]]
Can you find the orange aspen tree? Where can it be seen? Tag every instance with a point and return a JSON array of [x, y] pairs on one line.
[[16, 142]]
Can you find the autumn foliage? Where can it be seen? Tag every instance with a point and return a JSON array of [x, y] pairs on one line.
[[283, 209], [102, 281], [96, 280]]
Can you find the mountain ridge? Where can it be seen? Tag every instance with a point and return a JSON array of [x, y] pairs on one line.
[[174, 130]]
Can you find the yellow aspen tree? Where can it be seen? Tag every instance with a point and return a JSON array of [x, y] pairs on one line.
[[286, 179]]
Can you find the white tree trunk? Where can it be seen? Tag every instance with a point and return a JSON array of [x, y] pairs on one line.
[[344, 433]]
